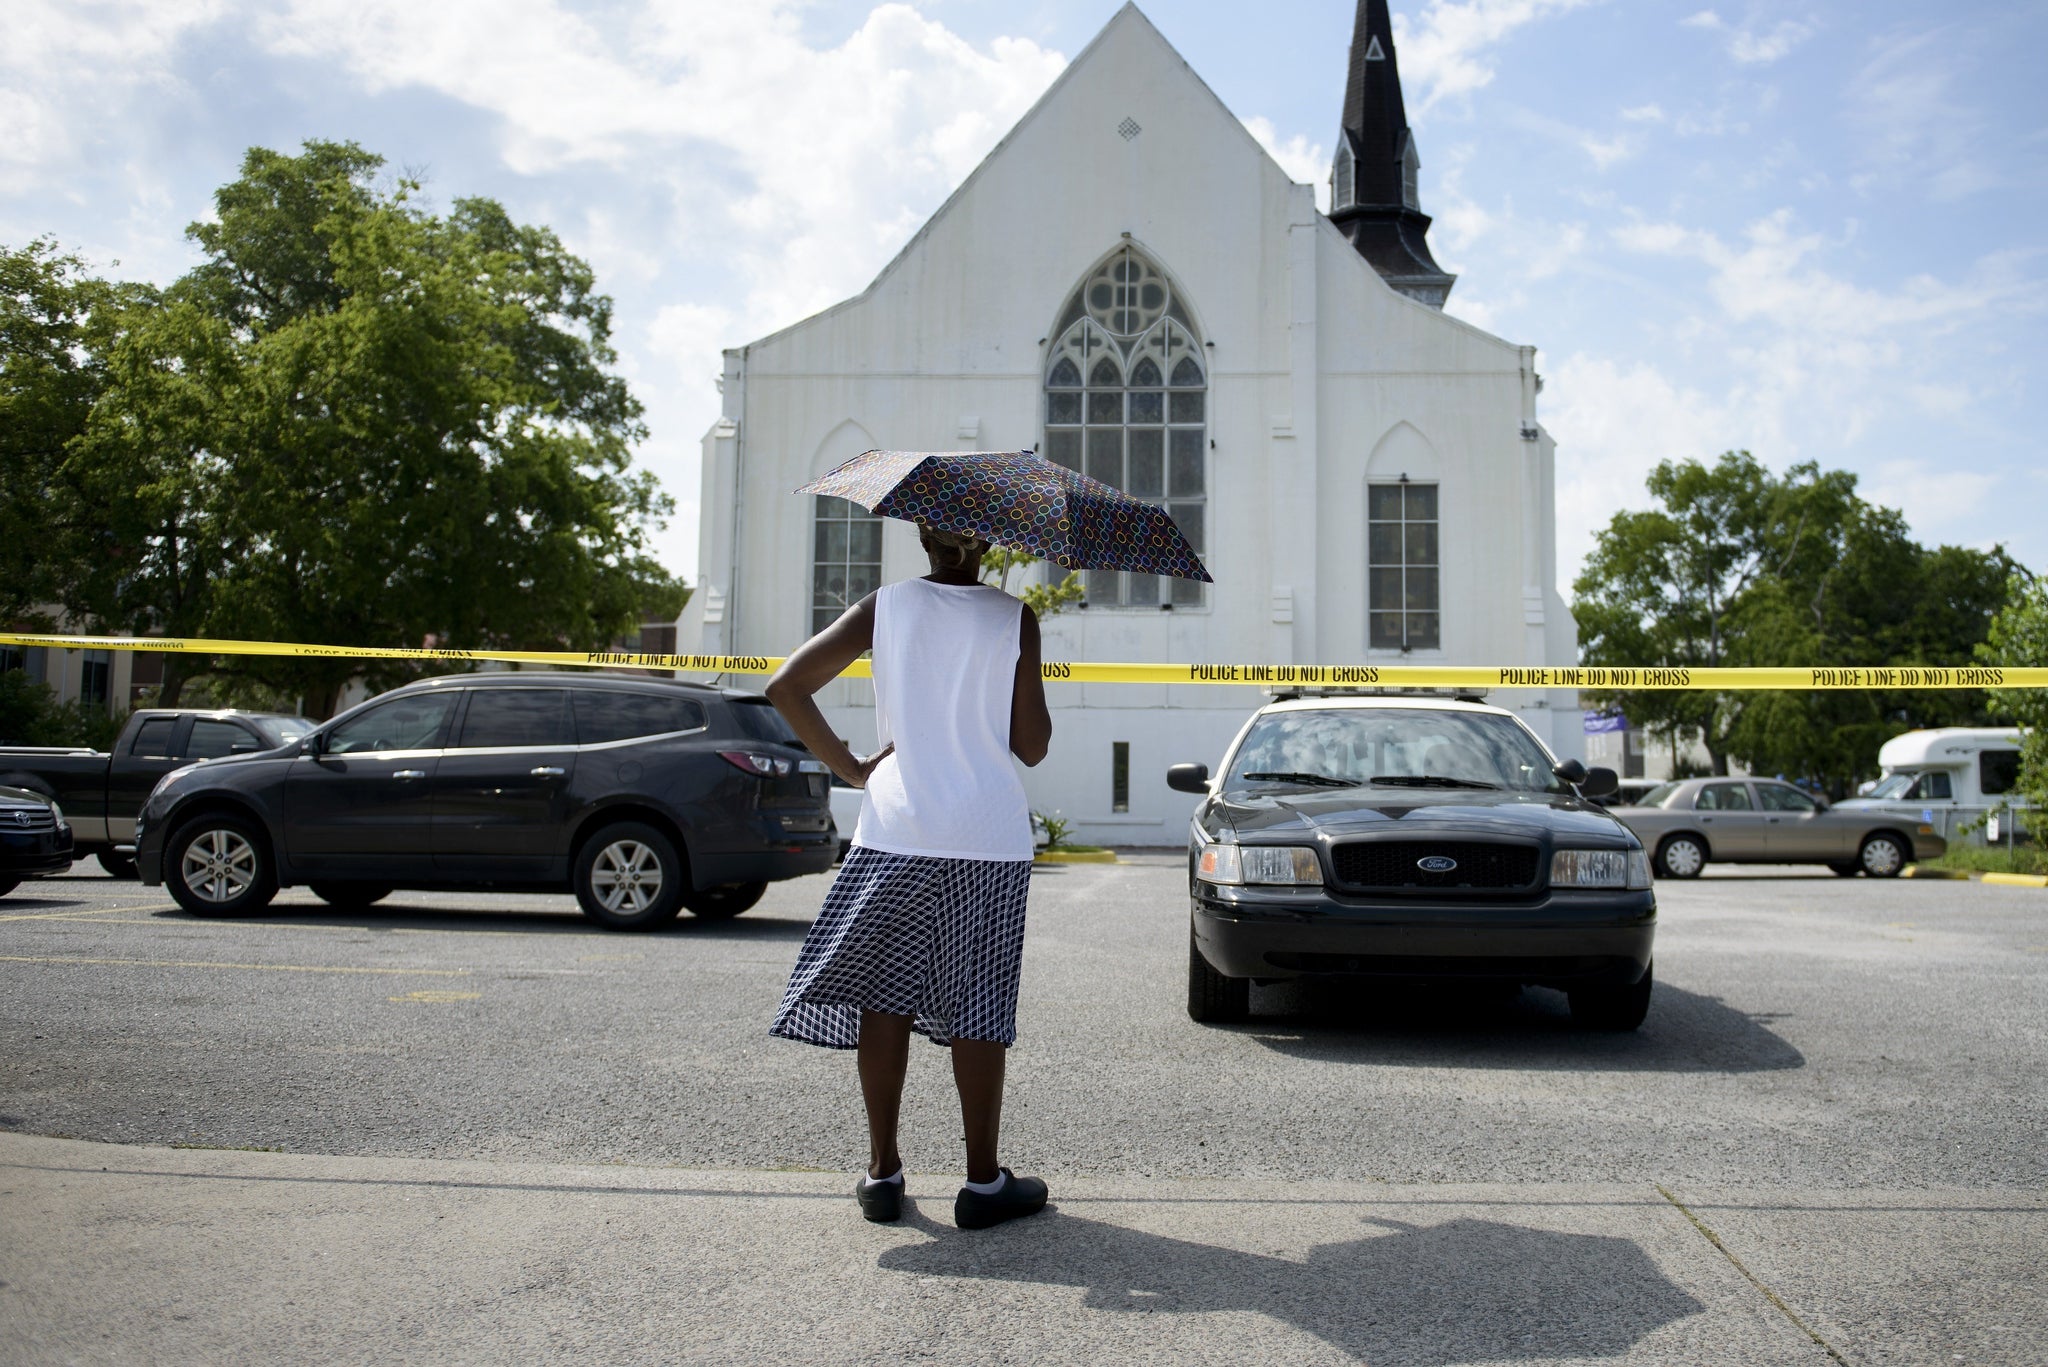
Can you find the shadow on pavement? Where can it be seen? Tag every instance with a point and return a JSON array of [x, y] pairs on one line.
[[1461, 1291], [1687, 1032], [497, 920]]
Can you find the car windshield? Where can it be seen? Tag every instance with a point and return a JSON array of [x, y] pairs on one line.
[[1657, 796], [1392, 747], [1894, 785]]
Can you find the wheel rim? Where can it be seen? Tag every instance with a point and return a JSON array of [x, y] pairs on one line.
[[1882, 857], [1683, 858], [626, 876], [219, 865]]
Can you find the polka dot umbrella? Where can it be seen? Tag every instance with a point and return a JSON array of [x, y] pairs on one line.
[[1020, 500]]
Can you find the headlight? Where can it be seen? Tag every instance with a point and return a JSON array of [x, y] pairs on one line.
[[1235, 865], [57, 812], [1600, 869]]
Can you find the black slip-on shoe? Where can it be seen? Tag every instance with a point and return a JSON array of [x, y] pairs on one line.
[[1014, 1199], [881, 1202]]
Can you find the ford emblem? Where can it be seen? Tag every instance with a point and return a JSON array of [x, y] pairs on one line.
[[1436, 863]]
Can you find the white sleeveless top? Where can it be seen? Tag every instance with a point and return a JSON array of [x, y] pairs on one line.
[[945, 665]]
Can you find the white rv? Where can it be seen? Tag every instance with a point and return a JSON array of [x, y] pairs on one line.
[[1948, 777]]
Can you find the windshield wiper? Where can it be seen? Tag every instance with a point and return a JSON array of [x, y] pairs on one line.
[[1315, 780], [1429, 781]]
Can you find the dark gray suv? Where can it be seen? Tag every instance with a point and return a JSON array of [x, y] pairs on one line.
[[642, 796]]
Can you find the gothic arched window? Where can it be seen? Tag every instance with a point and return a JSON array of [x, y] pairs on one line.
[[1126, 402]]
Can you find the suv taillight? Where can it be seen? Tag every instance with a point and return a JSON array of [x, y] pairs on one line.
[[759, 765]]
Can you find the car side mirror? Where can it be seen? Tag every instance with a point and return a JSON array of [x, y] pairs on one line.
[[311, 745], [1600, 782], [1188, 778], [1570, 770]]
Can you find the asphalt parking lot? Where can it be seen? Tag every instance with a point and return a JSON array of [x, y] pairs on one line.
[[1825, 1143]]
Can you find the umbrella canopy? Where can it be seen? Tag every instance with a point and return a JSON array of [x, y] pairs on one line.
[[1020, 500]]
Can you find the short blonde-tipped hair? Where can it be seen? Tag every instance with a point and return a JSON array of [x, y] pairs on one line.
[[964, 548]]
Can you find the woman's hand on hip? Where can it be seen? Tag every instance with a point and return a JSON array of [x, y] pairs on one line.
[[865, 768]]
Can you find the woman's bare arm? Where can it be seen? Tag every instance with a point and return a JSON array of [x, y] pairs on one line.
[[1030, 722], [816, 663]]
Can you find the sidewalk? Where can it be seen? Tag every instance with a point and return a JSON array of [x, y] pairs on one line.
[[121, 1254]]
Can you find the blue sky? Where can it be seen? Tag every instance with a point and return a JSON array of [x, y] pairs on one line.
[[1809, 229]]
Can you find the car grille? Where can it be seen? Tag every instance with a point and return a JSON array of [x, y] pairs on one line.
[[26, 821], [1392, 864]]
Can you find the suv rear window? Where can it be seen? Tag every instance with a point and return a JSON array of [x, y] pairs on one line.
[[759, 719], [605, 715]]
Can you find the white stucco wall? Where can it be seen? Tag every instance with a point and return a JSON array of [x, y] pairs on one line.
[[1319, 376]]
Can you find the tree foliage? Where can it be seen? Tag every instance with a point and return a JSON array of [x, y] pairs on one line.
[[1740, 566], [2019, 637], [1044, 600], [360, 422]]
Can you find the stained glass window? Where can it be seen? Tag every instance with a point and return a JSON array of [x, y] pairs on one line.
[[1126, 402]]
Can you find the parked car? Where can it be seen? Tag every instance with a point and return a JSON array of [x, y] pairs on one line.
[[103, 792], [1404, 837], [35, 839], [642, 796], [1699, 821]]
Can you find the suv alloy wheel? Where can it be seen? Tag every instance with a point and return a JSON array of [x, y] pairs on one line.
[[628, 876], [218, 864]]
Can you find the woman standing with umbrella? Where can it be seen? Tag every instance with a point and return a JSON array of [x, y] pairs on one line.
[[923, 929]]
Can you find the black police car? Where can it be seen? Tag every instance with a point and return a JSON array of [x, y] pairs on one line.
[[35, 840], [1419, 838], [642, 796]]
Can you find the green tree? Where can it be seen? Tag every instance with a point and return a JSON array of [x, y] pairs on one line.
[[1743, 567], [56, 323], [2019, 637], [358, 422], [1044, 600], [1676, 584]]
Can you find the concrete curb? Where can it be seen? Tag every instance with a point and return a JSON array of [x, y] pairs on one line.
[[1916, 871], [1075, 857], [2017, 880]]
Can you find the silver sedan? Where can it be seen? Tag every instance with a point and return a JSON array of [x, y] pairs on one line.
[[1697, 821]]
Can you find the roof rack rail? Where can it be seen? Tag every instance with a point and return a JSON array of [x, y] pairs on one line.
[[1291, 692]]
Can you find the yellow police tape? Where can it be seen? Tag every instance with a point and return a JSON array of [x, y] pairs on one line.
[[1259, 675]]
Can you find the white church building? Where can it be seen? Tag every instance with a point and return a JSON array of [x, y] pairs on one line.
[[1131, 286]]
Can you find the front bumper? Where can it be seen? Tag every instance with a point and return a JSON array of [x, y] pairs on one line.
[[1565, 938], [35, 855]]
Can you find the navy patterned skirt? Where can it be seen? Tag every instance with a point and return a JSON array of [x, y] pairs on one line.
[[939, 940]]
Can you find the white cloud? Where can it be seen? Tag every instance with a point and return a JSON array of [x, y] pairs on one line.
[[69, 68], [1911, 126], [1644, 113], [1446, 51], [1754, 46], [1941, 497], [1305, 162]]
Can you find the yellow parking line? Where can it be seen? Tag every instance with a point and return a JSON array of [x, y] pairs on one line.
[[75, 915], [274, 968]]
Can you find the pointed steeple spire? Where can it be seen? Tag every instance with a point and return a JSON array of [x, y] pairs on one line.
[[1373, 183]]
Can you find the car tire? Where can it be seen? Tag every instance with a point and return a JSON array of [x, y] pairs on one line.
[[1883, 855], [349, 896], [219, 864], [1214, 999], [628, 876], [723, 902], [1681, 856], [116, 865], [8, 885], [1845, 870], [1612, 1008]]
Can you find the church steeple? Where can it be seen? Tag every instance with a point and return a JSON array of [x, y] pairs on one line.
[[1373, 183]]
